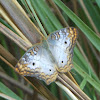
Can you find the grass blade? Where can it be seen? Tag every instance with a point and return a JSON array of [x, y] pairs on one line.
[[98, 3], [95, 40], [89, 79], [8, 92]]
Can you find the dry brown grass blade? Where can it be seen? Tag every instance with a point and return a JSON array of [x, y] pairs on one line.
[[72, 78], [7, 55], [75, 6], [8, 19], [16, 83], [67, 90], [74, 87], [14, 37], [34, 82], [21, 20], [69, 87]]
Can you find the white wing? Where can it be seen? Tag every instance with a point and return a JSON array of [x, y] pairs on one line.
[[61, 45], [37, 62]]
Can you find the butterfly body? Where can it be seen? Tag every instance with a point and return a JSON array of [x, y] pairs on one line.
[[53, 55]]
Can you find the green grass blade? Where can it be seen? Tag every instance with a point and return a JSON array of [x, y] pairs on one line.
[[8, 92], [83, 83], [95, 40], [36, 17], [42, 15], [95, 84], [98, 3], [93, 13], [79, 59], [50, 15]]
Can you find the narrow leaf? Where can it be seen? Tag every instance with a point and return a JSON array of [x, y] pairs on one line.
[[8, 92], [95, 40]]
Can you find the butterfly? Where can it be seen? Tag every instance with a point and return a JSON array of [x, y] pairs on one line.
[[45, 60]]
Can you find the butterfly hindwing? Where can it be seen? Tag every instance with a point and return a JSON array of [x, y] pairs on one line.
[[61, 45], [36, 62]]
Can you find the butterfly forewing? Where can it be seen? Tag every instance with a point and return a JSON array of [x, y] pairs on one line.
[[37, 63], [61, 45]]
